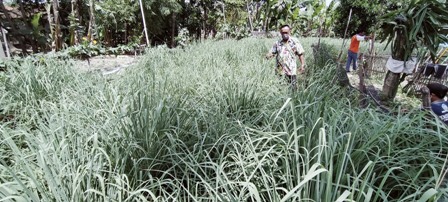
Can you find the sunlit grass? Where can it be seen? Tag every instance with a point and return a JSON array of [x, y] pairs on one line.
[[208, 122]]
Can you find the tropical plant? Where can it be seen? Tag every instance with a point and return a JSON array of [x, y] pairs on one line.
[[114, 18], [284, 12], [418, 25], [364, 14]]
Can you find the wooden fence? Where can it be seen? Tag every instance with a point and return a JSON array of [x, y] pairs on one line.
[[422, 75], [427, 73], [376, 68]]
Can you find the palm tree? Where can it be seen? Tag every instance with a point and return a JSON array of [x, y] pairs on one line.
[[417, 25]]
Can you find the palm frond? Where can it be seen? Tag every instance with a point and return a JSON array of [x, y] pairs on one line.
[[422, 24]]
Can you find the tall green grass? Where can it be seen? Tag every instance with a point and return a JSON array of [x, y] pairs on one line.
[[209, 122]]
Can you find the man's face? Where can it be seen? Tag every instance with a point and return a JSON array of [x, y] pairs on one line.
[[433, 97], [285, 32]]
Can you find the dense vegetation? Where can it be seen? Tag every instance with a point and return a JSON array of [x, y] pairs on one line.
[[208, 122], [44, 25]]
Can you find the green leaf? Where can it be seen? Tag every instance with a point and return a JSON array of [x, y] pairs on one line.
[[427, 195]]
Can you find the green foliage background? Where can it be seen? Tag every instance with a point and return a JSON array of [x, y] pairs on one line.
[[179, 22]]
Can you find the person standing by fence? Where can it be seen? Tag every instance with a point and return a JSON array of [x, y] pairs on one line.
[[287, 50], [354, 49]]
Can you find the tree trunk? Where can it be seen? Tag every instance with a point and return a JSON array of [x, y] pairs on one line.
[[257, 14], [15, 29], [224, 12], [57, 29], [173, 30], [126, 41], [251, 26], [74, 35], [91, 30], [266, 16], [50, 23], [205, 19], [390, 86], [392, 80]]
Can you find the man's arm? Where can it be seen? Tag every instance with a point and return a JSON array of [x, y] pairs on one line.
[[272, 52], [300, 52], [302, 62], [362, 38]]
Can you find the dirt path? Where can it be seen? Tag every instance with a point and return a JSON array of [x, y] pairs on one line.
[[107, 64]]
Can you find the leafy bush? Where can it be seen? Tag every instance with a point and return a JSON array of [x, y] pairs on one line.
[[83, 51]]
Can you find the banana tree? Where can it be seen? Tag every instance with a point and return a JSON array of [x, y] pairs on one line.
[[286, 12], [74, 20], [416, 25], [91, 31], [54, 23]]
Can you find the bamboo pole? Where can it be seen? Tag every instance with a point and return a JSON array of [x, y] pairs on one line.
[[6, 42], [144, 23], [345, 34], [2, 52], [372, 56]]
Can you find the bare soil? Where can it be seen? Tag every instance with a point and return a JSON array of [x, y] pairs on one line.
[[107, 64]]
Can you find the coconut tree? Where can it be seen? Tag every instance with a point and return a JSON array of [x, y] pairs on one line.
[[417, 25]]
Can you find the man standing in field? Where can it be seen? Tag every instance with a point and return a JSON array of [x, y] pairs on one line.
[[354, 48], [287, 50]]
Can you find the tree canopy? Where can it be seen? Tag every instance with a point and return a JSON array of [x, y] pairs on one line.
[[52, 25]]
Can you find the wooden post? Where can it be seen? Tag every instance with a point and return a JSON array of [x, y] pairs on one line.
[[426, 98], [362, 86], [426, 104], [370, 63]]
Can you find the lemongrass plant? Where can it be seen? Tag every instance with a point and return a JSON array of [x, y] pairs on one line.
[[210, 122]]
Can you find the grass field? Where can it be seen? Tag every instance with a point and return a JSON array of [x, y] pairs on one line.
[[210, 122]]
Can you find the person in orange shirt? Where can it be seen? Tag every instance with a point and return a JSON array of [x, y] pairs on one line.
[[354, 48]]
